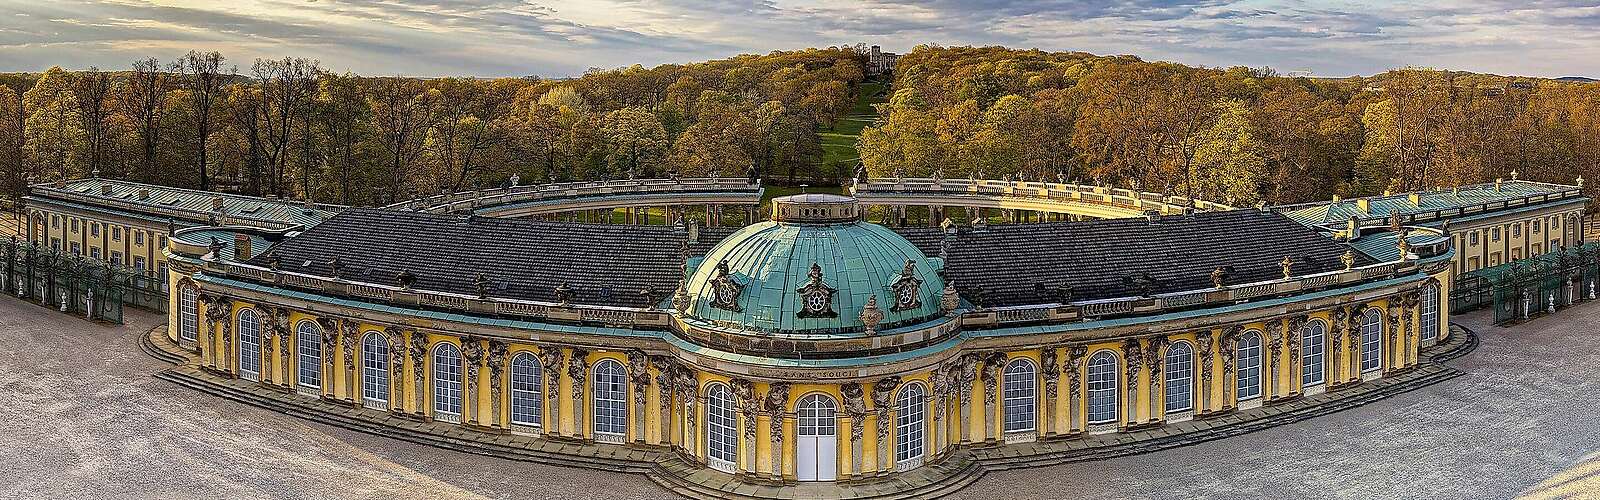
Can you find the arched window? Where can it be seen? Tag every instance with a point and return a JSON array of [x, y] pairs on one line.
[[1430, 311], [1372, 340], [308, 340], [1313, 342], [1102, 387], [188, 314], [447, 367], [910, 411], [375, 371], [527, 385], [610, 399], [249, 345], [1019, 396], [722, 428], [1249, 356], [816, 415], [1180, 377]]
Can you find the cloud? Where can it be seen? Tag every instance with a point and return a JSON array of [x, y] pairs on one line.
[[565, 37]]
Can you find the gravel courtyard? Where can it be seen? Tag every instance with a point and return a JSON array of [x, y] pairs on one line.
[[86, 420]]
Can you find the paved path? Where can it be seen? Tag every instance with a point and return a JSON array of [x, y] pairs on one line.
[[84, 419], [1522, 421]]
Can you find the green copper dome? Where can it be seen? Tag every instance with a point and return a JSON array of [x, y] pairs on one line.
[[814, 270]]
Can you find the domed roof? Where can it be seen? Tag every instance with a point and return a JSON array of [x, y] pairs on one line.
[[813, 274]]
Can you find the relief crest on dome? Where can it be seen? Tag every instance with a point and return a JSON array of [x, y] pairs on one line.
[[907, 288], [725, 290], [816, 297]]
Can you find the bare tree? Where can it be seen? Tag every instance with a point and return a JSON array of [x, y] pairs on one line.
[[402, 112], [90, 87], [287, 87], [143, 103], [203, 79]]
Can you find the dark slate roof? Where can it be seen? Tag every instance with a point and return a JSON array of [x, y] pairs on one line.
[[1125, 257], [523, 259]]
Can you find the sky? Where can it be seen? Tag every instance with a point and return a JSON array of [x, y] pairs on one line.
[[1548, 38]]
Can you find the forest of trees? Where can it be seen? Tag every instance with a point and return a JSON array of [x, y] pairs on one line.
[[289, 128], [1239, 134]]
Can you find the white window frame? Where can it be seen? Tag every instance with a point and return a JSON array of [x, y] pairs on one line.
[[1429, 315], [817, 415], [1101, 394], [527, 390], [910, 430], [1019, 388], [308, 340], [375, 370], [1248, 353], [249, 345], [1179, 374], [1371, 340], [188, 314], [1313, 353], [610, 391], [447, 368], [722, 428]]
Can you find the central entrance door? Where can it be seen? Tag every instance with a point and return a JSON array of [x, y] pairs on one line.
[[817, 456]]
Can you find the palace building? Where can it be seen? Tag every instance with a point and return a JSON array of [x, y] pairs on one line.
[[813, 345]]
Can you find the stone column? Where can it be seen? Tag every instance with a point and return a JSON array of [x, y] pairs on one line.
[[1203, 346], [1132, 356], [472, 353], [1354, 332], [348, 337], [993, 366], [1336, 344], [855, 406], [578, 373], [497, 369], [882, 402], [1050, 370], [1292, 339], [688, 393], [776, 405], [639, 380], [419, 373], [1274, 358], [1152, 360], [940, 380], [1390, 348], [330, 354], [285, 333], [664, 366], [1226, 350], [1074, 385], [267, 330], [551, 358], [397, 370], [968, 377], [744, 392]]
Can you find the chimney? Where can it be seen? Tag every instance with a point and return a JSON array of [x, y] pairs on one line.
[[1416, 199], [1152, 216], [144, 194], [216, 203], [241, 247], [1352, 228], [1364, 204], [105, 189], [1497, 182], [1336, 198]]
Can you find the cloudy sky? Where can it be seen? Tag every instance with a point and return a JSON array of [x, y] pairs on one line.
[[565, 37]]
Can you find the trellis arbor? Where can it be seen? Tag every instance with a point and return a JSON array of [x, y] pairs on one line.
[[75, 285], [1526, 288]]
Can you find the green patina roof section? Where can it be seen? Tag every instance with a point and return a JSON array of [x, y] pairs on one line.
[[1428, 201], [203, 238], [1383, 247], [773, 261]]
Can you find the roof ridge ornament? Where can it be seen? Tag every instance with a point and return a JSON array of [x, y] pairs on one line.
[[816, 297]]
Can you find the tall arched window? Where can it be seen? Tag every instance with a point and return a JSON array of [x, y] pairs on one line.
[[188, 314], [447, 366], [1102, 381], [375, 371], [910, 411], [1249, 356], [722, 428], [816, 453], [1180, 377], [249, 345], [610, 400], [1430, 311], [1372, 340], [308, 344], [527, 385], [1019, 396], [1313, 343]]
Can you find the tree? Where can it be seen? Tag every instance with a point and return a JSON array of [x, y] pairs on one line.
[[142, 100], [402, 111], [1229, 163], [634, 142], [90, 90], [204, 81], [54, 132], [287, 87], [470, 124], [14, 169]]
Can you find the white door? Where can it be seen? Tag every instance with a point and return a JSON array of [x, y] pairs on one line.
[[817, 457]]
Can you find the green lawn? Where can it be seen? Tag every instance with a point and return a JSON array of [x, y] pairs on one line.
[[839, 140]]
